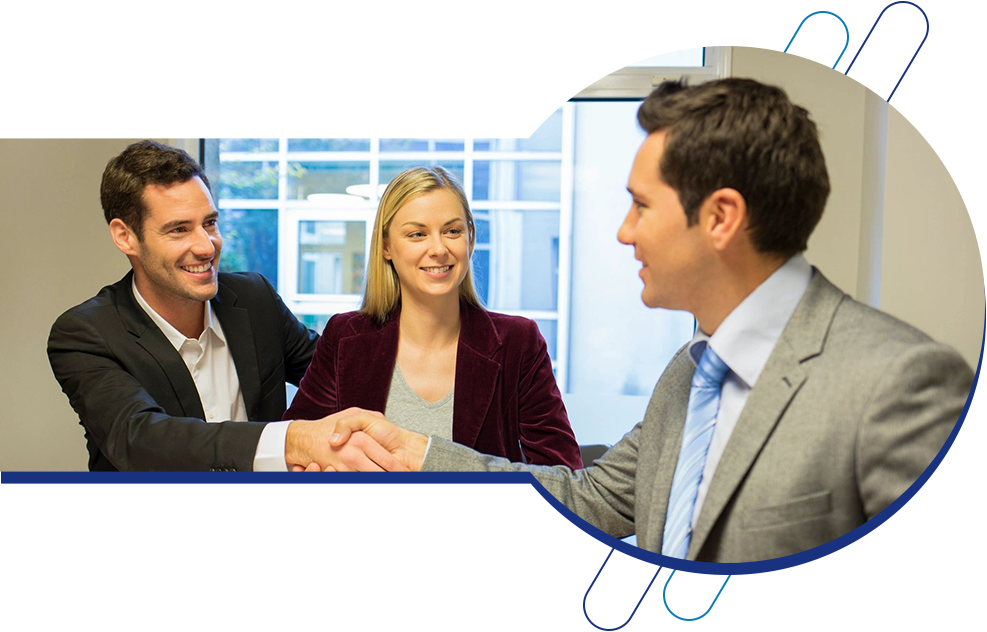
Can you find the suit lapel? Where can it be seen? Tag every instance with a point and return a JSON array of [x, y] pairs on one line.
[[365, 364], [239, 339], [476, 374], [152, 340], [781, 379], [669, 413]]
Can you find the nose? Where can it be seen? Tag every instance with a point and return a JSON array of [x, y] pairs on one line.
[[204, 245], [625, 234], [437, 248]]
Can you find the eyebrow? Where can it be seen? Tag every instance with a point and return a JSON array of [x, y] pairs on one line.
[[420, 225], [183, 222], [633, 194]]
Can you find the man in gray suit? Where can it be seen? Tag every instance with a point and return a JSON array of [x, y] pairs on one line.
[[796, 413]]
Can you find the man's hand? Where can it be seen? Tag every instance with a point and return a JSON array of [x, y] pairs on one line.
[[408, 447], [307, 444]]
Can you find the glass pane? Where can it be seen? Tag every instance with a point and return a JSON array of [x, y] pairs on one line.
[[619, 347], [548, 329], [481, 274], [482, 228], [524, 260], [548, 137], [250, 242], [390, 169], [328, 144], [535, 181], [248, 144], [331, 257], [420, 144], [248, 180], [314, 178]]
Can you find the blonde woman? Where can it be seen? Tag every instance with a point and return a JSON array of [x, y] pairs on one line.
[[422, 349]]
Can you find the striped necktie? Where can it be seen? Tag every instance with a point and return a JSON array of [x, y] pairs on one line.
[[704, 403]]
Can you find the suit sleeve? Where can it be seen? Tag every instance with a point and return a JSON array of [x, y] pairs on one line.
[[546, 437], [914, 409], [602, 494], [316, 396], [131, 430], [299, 341]]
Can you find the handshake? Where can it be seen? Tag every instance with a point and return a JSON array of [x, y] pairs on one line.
[[353, 440]]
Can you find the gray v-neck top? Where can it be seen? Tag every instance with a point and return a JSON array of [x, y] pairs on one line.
[[408, 410]]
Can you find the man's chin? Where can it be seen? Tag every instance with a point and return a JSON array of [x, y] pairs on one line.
[[205, 292]]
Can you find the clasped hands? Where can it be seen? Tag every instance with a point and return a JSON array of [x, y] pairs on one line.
[[353, 440]]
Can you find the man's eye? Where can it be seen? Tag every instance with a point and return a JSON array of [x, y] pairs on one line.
[[180, 229]]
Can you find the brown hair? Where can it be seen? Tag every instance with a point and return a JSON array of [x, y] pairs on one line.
[[146, 162], [747, 136]]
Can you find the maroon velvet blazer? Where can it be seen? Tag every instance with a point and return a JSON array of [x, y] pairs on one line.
[[506, 400]]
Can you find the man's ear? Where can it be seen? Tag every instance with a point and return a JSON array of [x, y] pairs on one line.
[[723, 215], [123, 238]]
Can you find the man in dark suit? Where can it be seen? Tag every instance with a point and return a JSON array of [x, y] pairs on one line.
[[176, 366], [796, 413]]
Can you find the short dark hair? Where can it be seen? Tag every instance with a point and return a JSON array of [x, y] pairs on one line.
[[744, 135], [146, 162]]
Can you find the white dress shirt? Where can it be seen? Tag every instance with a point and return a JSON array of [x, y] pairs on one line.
[[212, 369], [744, 341]]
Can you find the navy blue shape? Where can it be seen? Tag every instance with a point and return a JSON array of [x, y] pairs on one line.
[[895, 55], [847, 43], [633, 612]]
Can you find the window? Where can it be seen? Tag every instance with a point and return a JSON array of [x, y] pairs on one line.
[[547, 210], [301, 212]]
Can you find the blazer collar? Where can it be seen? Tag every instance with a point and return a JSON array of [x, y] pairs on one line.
[[239, 337], [477, 374], [803, 338]]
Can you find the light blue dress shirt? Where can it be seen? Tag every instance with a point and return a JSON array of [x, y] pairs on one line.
[[744, 341]]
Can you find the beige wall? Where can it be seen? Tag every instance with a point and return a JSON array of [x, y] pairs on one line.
[[931, 273], [837, 106], [56, 253]]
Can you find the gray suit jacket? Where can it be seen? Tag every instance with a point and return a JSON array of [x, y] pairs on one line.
[[850, 409]]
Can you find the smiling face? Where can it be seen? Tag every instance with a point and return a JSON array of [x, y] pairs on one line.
[[671, 252], [428, 245], [179, 253]]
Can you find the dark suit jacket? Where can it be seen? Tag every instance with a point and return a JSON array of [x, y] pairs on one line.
[[850, 409], [135, 397], [506, 400]]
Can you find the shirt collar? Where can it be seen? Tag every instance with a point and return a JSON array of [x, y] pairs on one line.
[[748, 335], [175, 337]]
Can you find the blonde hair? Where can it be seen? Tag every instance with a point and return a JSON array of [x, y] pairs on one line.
[[382, 294]]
